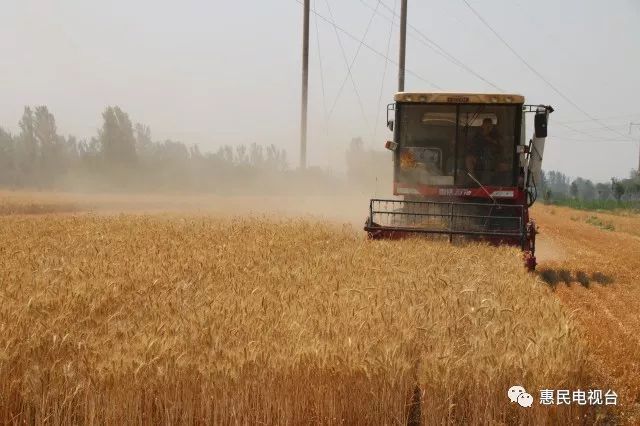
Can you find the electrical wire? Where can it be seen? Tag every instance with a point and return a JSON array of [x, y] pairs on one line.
[[355, 57], [598, 129], [455, 61], [435, 47], [585, 133], [382, 55], [384, 75], [617, 117], [324, 97], [346, 61], [538, 74], [569, 139], [573, 129]]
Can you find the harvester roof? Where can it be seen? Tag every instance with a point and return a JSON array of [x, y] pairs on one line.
[[459, 98]]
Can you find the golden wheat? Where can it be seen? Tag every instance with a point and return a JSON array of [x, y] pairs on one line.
[[597, 277], [193, 319]]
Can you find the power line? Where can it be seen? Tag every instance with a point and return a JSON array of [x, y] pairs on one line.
[[532, 69], [346, 61], [435, 47], [573, 129], [584, 132], [562, 138], [599, 128], [324, 97], [441, 51], [382, 55], [384, 75], [611, 118], [355, 57]]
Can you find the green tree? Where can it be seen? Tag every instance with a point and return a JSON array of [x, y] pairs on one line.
[[256, 155], [26, 150], [241, 155], [144, 144], [588, 191], [558, 183], [573, 189], [46, 136], [276, 159], [116, 137], [604, 191], [7, 158], [617, 188], [44, 127]]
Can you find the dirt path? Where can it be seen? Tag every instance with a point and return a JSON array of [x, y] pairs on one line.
[[596, 274]]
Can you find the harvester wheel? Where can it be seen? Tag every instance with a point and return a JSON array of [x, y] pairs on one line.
[[530, 261], [530, 247]]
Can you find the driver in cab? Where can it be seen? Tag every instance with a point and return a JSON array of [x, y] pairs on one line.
[[484, 150]]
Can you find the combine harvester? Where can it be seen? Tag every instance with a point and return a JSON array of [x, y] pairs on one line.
[[463, 169]]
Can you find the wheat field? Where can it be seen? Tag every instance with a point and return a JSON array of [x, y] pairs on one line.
[[596, 275], [196, 319]]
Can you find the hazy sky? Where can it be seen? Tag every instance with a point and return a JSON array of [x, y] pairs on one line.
[[214, 72]]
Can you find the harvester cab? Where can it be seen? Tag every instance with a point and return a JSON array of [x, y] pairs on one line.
[[462, 168]]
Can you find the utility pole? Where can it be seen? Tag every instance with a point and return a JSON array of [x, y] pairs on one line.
[[630, 126], [305, 86], [403, 45]]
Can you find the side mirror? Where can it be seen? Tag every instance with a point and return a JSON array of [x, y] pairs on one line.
[[391, 146], [540, 124], [390, 107]]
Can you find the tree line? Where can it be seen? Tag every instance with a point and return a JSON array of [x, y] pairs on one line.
[[123, 156], [557, 186]]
